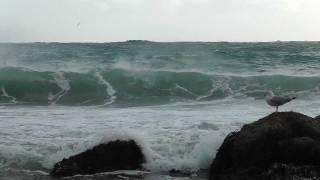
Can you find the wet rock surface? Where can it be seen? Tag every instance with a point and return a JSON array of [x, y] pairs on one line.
[[112, 156], [284, 145]]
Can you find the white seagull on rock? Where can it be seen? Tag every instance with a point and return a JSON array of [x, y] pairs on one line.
[[277, 101]]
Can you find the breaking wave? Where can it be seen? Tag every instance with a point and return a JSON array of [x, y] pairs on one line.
[[123, 87]]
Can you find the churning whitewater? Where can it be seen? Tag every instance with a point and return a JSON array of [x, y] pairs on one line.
[[177, 100]]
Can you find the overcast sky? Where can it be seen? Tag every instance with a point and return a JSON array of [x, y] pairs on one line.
[[158, 20]]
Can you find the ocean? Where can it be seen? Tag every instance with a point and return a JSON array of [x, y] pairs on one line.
[[177, 100]]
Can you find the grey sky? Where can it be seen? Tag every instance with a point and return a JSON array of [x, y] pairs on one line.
[[159, 20]]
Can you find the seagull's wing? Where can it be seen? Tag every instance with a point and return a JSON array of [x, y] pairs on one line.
[[280, 100]]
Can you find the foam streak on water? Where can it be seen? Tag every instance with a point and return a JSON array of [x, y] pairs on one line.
[[109, 89], [61, 83], [5, 94]]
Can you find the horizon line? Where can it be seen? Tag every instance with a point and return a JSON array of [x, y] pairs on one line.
[[104, 42]]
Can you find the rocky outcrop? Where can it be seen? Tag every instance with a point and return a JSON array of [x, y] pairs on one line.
[[284, 145], [115, 155]]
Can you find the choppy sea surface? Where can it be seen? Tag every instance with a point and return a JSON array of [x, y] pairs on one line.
[[177, 100]]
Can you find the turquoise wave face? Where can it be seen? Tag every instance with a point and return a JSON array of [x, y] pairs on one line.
[[120, 87], [147, 73]]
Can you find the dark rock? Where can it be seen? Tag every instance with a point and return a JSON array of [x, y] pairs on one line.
[[115, 155], [317, 117], [283, 145]]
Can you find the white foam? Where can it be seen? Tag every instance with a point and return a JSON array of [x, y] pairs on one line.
[[61, 83], [18, 157], [109, 89], [119, 173], [177, 86], [35, 172], [274, 70], [36, 138], [5, 94], [221, 84], [205, 151]]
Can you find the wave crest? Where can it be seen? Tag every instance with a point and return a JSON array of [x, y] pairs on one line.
[[125, 87]]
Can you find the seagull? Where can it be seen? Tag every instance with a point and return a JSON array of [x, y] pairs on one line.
[[277, 101]]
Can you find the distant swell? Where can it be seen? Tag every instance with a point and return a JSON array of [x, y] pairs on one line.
[[125, 87]]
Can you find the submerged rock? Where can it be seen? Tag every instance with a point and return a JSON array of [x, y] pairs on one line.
[[283, 145], [208, 126], [179, 173], [115, 155]]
